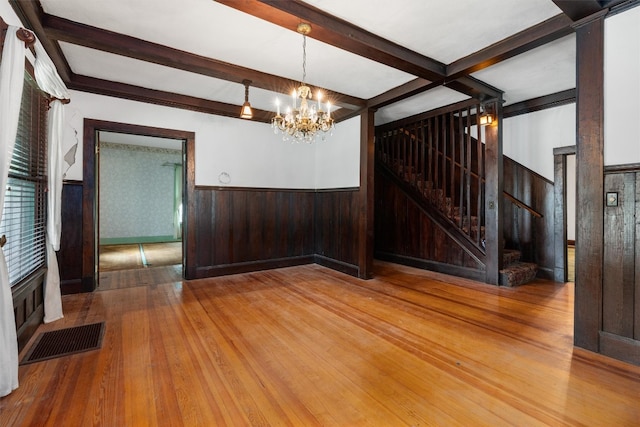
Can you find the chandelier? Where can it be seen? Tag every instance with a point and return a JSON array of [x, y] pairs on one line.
[[305, 122]]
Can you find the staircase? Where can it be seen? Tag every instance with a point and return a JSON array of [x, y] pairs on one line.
[[439, 164]]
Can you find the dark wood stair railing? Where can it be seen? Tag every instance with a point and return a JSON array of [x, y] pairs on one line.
[[440, 154]]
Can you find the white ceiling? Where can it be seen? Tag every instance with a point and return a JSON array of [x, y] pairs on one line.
[[442, 30]]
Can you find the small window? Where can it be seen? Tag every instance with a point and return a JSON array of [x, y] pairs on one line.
[[24, 212]]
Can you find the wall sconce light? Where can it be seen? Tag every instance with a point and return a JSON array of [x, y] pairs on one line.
[[486, 116], [486, 119], [246, 112]]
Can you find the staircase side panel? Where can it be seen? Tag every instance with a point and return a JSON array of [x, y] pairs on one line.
[[532, 236], [406, 235]]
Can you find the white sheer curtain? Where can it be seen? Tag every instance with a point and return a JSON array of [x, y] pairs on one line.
[[11, 84], [49, 81]]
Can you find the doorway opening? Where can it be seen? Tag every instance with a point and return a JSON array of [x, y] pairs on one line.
[[139, 186], [136, 181], [565, 212]]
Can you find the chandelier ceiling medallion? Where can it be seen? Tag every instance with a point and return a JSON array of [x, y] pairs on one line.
[[305, 122]]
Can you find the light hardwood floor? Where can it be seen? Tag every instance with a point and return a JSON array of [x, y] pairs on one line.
[[308, 346]]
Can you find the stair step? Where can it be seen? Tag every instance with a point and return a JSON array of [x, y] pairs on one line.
[[518, 273], [509, 256]]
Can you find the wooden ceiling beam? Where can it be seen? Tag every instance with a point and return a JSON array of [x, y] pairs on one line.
[[95, 38], [344, 35], [545, 32], [158, 97], [337, 32], [576, 10], [407, 90], [540, 103]]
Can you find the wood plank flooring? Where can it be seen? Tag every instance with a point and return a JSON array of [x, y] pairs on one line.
[[139, 255], [307, 346]]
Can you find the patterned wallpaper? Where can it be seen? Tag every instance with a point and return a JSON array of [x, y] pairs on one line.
[[136, 191]]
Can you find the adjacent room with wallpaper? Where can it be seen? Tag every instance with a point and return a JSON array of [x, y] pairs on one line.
[[139, 206], [320, 212]]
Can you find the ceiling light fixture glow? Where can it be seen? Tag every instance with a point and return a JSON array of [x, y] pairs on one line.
[[306, 122], [246, 112]]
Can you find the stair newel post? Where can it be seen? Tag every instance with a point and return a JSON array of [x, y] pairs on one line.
[[493, 191]]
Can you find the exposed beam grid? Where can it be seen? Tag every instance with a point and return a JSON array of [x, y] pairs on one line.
[[120, 44], [344, 35]]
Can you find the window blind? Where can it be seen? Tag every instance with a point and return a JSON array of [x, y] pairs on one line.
[[24, 212]]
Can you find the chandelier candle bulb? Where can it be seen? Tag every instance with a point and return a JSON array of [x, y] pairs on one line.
[[277, 106], [319, 98]]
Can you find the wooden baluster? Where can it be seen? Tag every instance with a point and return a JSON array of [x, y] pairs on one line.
[[416, 136], [436, 153], [394, 150], [452, 163], [461, 132], [480, 181], [467, 210], [410, 162], [443, 129], [422, 154], [430, 151]]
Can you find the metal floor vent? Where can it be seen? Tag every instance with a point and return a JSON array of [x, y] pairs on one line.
[[64, 342]]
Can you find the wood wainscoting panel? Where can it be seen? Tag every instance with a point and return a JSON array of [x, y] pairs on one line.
[[620, 334], [336, 229], [309, 346], [70, 253], [28, 306], [240, 230]]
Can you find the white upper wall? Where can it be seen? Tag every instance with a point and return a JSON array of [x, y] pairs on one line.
[[622, 88], [230, 151], [336, 157], [529, 139]]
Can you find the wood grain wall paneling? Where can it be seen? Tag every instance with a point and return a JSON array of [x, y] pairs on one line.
[[619, 336], [619, 247], [240, 230], [336, 230], [532, 236], [69, 255], [28, 306]]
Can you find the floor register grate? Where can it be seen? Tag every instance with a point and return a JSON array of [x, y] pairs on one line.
[[64, 342]]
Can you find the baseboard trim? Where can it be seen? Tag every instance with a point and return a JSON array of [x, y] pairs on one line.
[[454, 270], [619, 347], [247, 267], [337, 265]]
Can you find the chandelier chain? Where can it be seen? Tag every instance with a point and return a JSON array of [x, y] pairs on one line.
[[304, 58]]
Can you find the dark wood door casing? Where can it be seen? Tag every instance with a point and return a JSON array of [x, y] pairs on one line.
[[89, 202]]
